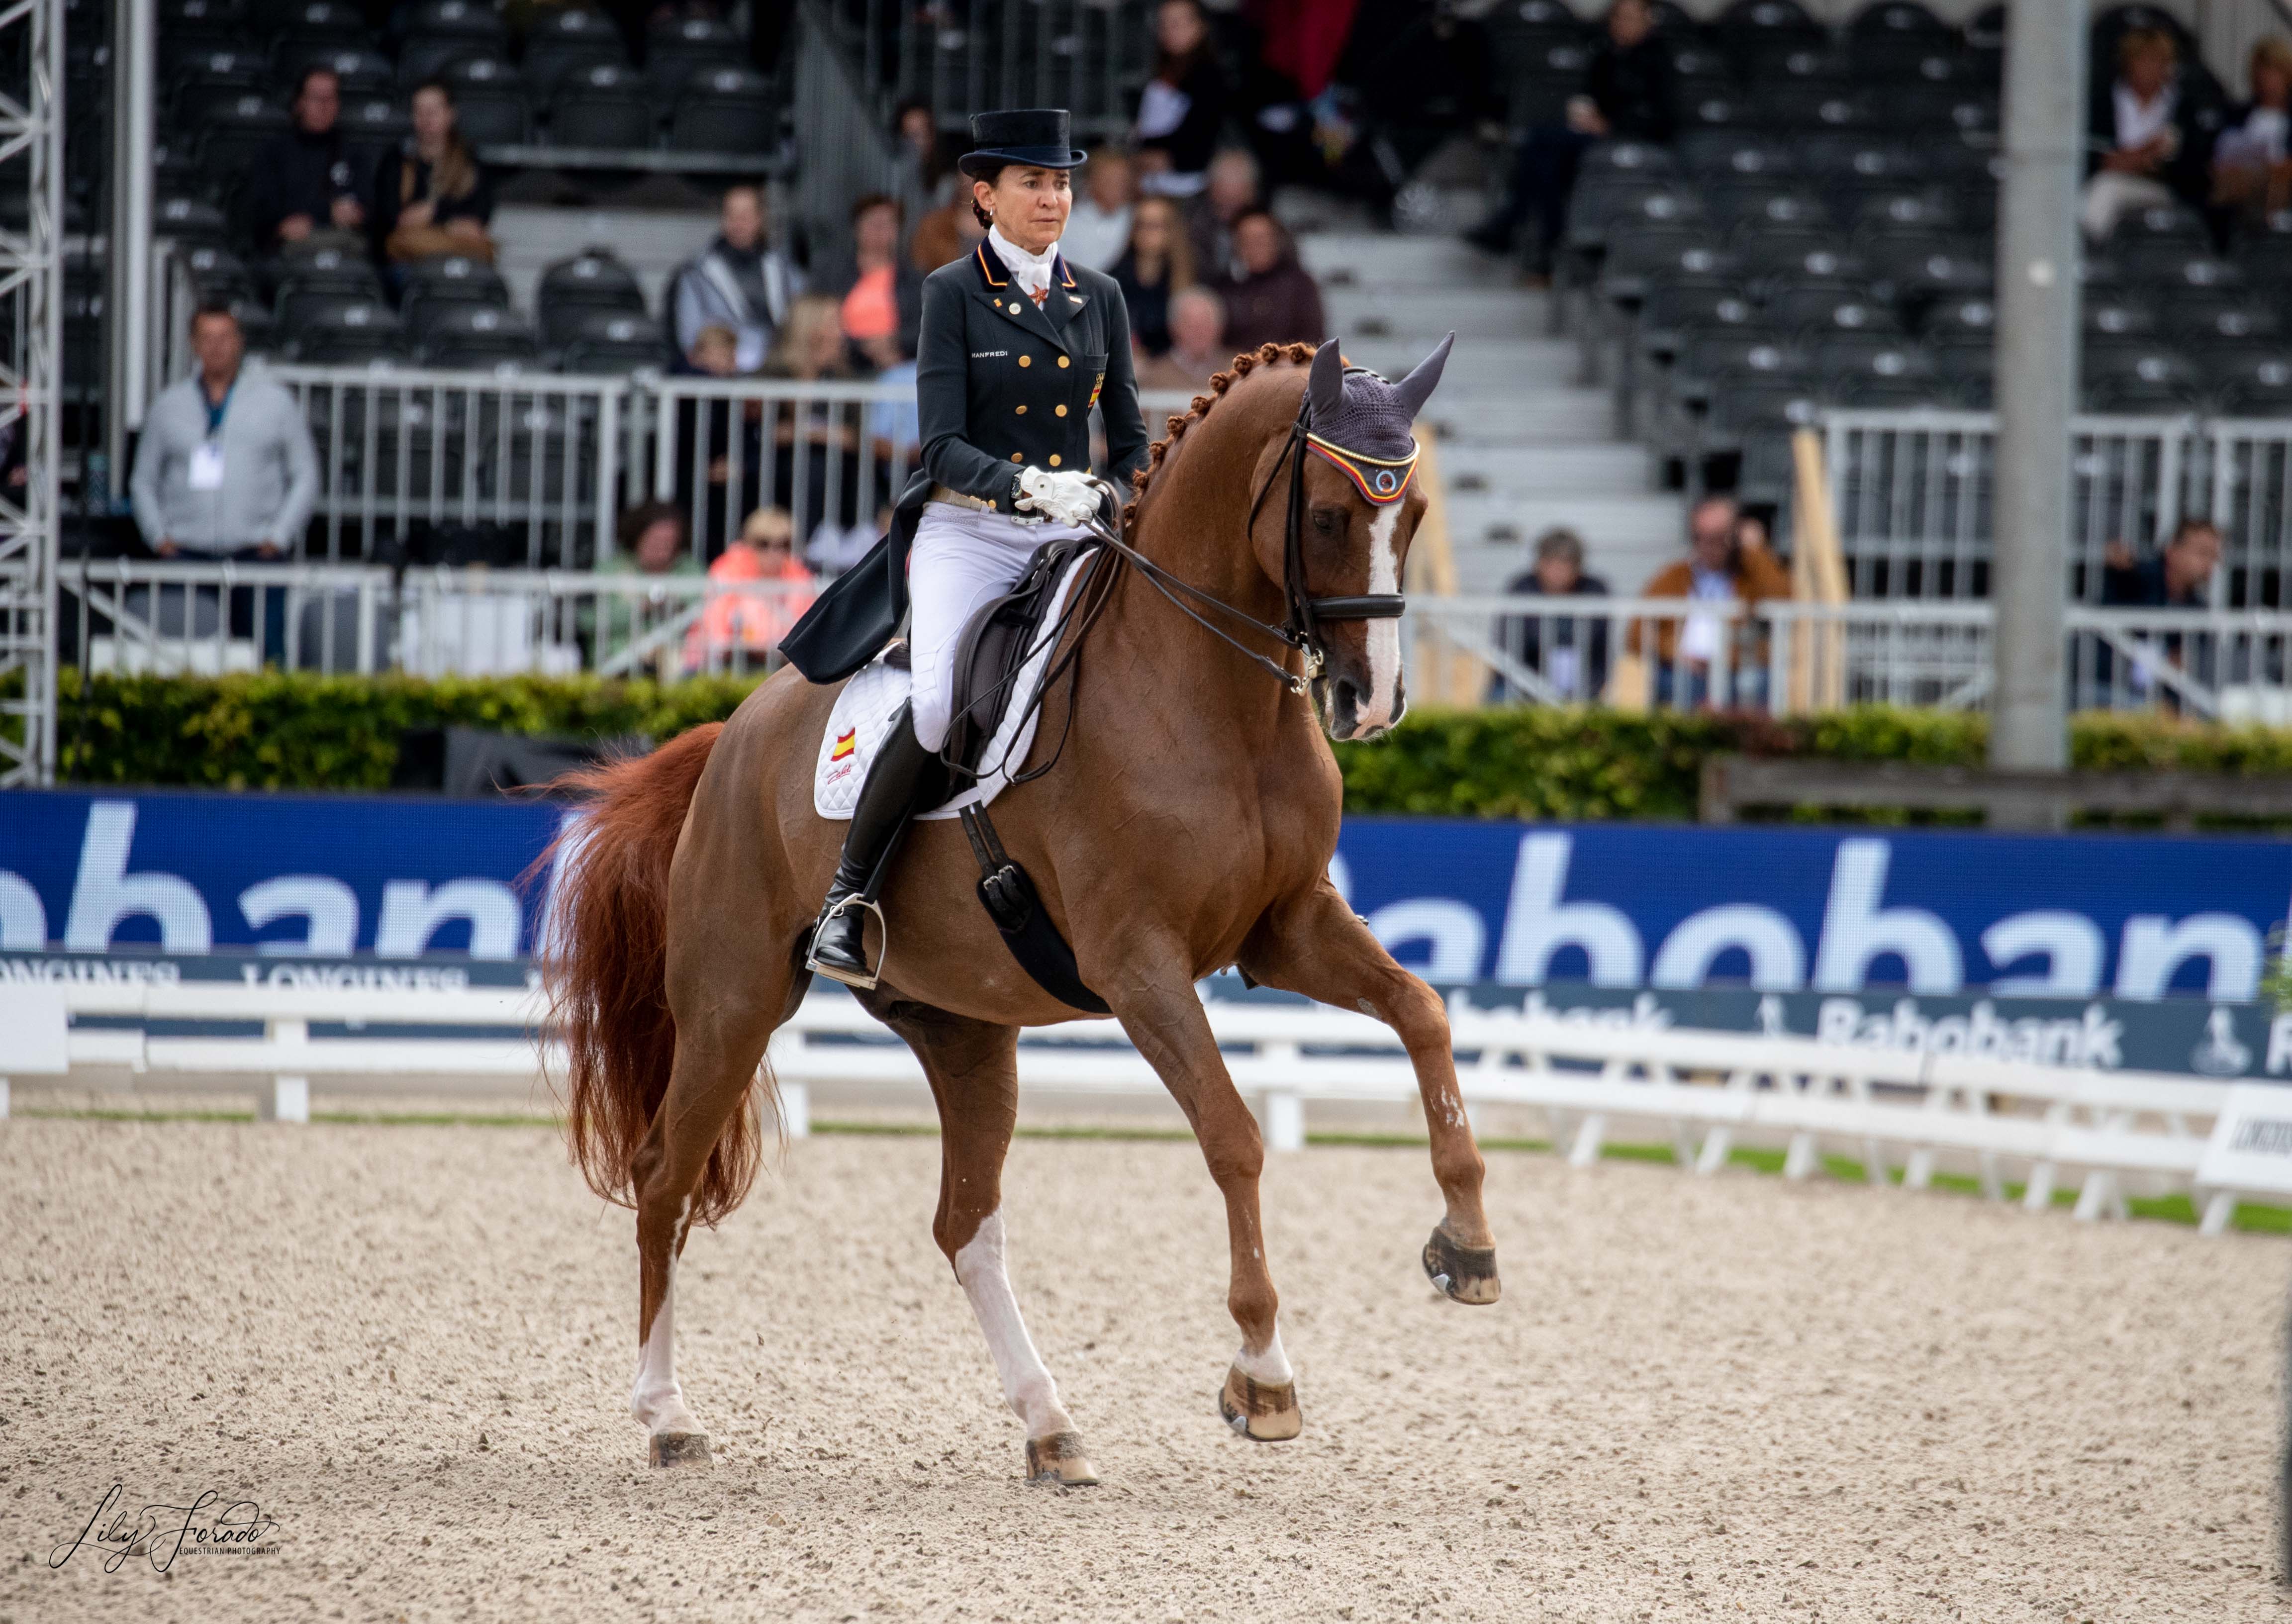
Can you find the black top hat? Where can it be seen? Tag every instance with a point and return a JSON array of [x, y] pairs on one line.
[[1035, 136]]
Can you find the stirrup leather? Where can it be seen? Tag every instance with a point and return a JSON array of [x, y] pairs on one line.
[[863, 978]]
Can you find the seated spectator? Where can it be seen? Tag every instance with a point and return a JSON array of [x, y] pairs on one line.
[[1232, 192], [2149, 142], [816, 443], [636, 632], [945, 236], [746, 626], [2251, 161], [2179, 577], [740, 282], [832, 550], [1271, 298], [1721, 566], [923, 175], [1630, 93], [430, 196], [1158, 264], [1183, 107], [1198, 346], [301, 182], [1098, 230], [715, 352], [882, 293], [225, 470], [1571, 655]]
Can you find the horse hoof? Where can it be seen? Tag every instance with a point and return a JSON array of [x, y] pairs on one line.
[[1467, 1273], [1058, 1460], [1266, 1412], [680, 1449]]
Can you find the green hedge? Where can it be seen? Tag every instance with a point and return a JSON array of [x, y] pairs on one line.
[[288, 730]]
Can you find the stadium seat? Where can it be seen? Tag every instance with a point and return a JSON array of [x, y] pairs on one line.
[[2113, 317], [1822, 309], [1673, 318], [480, 336], [2222, 318], [199, 25], [1538, 93], [2169, 266], [1759, 206], [2255, 383], [494, 117], [677, 48], [434, 286], [615, 342], [564, 42], [602, 105], [190, 220], [374, 122], [1720, 109], [1757, 25], [306, 299], [1779, 259], [216, 271], [443, 31], [1734, 155], [1897, 19], [725, 109], [1713, 364], [211, 78], [1627, 160], [231, 140], [2140, 377], [1888, 212], [1646, 261], [1798, 62], [590, 283], [362, 72], [1877, 370], [350, 332], [312, 22], [1854, 162]]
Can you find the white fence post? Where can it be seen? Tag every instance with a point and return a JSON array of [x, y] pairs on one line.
[[795, 1110]]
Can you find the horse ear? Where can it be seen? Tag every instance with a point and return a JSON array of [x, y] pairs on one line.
[[1418, 387], [1327, 382]]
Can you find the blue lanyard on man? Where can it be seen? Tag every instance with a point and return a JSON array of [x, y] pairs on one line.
[[217, 408]]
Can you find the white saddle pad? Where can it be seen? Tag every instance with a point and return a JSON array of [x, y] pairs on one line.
[[871, 700]]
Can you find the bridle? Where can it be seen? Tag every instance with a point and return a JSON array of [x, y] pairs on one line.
[[1302, 629]]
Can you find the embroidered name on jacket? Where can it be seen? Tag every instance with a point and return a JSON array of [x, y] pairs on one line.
[[986, 355]]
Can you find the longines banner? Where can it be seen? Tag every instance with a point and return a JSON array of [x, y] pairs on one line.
[[1949, 921]]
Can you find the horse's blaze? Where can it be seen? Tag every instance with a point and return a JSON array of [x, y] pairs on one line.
[[1467, 1273], [1058, 1460], [1266, 1411], [680, 1449]]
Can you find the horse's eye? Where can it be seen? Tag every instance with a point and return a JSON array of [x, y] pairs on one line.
[[1325, 521]]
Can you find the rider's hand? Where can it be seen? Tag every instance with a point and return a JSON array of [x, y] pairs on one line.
[[1056, 493]]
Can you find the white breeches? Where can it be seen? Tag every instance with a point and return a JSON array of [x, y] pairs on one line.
[[961, 559], [2110, 196]]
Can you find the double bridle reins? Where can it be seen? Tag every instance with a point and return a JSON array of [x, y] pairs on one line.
[[1302, 629]]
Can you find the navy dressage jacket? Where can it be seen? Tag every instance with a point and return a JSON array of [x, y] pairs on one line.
[[1001, 385]]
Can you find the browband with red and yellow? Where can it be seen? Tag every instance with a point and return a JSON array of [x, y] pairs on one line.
[[1383, 481]]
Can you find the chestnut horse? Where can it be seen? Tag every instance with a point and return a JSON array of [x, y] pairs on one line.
[[1189, 828]]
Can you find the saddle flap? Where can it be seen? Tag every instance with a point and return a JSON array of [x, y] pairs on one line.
[[994, 647]]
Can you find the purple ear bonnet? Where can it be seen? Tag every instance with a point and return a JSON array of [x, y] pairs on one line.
[[1355, 409]]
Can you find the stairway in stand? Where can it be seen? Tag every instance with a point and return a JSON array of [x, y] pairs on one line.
[[1524, 446]]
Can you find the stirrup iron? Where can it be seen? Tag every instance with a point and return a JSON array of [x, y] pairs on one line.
[[865, 982]]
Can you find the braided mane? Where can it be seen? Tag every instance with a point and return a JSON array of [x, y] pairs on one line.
[[1264, 355]]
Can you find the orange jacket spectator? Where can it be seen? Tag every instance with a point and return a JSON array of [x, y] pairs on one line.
[[747, 625], [1719, 550]]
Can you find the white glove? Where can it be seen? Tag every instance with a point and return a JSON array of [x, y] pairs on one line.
[[1055, 493]]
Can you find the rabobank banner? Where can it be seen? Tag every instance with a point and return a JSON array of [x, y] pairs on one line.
[[1779, 910]]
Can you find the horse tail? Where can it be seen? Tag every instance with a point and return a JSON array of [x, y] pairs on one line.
[[605, 965]]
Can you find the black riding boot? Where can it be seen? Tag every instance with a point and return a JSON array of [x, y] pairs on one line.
[[904, 779]]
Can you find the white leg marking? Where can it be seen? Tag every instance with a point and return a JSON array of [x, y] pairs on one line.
[[1384, 635], [658, 1398], [1268, 1367], [1027, 1384]]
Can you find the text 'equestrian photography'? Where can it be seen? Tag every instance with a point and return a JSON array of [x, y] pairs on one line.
[[1180, 810]]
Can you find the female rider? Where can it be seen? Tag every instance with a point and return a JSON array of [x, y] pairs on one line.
[[1017, 346]]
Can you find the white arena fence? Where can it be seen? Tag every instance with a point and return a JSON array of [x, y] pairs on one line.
[[1784, 657], [2108, 1133], [1913, 493]]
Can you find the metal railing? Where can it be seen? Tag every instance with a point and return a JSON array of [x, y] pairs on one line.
[[1913, 490], [209, 618], [1662, 653]]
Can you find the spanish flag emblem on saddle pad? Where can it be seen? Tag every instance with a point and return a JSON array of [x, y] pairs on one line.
[[1384, 480], [847, 742]]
